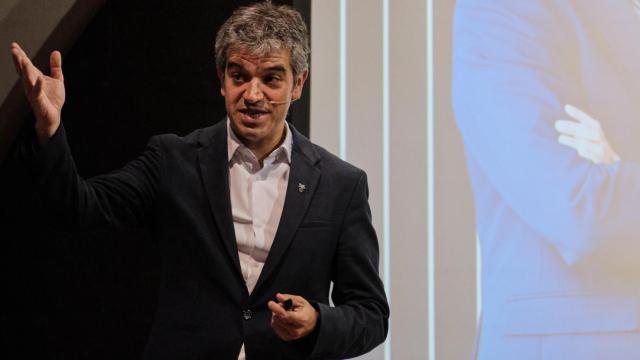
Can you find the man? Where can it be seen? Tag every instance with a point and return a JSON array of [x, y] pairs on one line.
[[253, 221], [557, 201]]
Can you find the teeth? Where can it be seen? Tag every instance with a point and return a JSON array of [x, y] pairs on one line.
[[253, 114]]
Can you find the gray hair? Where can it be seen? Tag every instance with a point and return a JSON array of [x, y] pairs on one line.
[[261, 29]]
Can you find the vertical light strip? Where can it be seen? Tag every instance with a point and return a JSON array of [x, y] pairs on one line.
[[431, 306], [386, 220], [343, 79], [478, 281]]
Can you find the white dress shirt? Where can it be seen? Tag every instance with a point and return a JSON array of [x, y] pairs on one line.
[[257, 197]]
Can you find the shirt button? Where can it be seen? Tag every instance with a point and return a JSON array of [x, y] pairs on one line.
[[247, 314]]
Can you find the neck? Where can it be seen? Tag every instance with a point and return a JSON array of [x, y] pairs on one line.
[[262, 149]]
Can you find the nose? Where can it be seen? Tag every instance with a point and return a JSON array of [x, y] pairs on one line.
[[253, 94]]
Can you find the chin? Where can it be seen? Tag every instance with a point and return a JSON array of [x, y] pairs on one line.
[[249, 134]]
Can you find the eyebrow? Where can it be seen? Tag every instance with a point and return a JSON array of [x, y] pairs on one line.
[[233, 65], [276, 68]]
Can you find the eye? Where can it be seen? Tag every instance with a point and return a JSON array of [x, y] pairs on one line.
[[272, 79], [236, 77]]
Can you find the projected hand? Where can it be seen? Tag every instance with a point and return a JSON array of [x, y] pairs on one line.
[[295, 323], [586, 136], [45, 93]]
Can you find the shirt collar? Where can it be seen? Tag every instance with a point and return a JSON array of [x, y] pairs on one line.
[[234, 143]]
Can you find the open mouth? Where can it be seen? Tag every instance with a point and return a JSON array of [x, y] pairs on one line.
[[254, 114]]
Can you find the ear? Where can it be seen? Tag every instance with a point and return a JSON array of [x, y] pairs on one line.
[[221, 78], [298, 84]]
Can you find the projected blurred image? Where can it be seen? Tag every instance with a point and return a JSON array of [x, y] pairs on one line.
[[547, 98]]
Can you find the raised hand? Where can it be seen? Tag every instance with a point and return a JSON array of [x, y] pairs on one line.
[[584, 134], [46, 94], [295, 323]]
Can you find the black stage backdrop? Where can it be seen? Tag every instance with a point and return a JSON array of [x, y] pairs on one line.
[[140, 68]]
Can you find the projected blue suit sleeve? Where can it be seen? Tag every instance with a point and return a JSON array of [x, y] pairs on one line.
[[516, 64]]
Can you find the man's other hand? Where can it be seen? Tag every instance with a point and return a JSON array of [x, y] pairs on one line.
[[585, 134], [45, 93], [296, 323]]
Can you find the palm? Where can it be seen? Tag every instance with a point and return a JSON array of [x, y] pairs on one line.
[[48, 104]]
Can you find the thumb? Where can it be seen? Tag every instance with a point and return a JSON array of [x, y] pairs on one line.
[[55, 63]]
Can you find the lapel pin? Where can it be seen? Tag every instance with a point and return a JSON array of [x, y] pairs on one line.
[[302, 187]]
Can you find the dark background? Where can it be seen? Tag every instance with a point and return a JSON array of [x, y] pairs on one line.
[[140, 68]]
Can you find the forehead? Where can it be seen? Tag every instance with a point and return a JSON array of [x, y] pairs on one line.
[[250, 61]]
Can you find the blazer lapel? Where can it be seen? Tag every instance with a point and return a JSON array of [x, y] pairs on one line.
[[303, 180], [212, 157]]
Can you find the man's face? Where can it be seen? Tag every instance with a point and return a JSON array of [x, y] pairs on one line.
[[257, 92]]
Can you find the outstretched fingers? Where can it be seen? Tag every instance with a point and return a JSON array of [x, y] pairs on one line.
[[15, 55], [579, 130], [580, 115], [27, 71]]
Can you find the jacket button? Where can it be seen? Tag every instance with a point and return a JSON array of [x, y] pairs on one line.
[[247, 314]]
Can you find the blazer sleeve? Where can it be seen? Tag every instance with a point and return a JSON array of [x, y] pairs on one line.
[[359, 320], [514, 69], [120, 198]]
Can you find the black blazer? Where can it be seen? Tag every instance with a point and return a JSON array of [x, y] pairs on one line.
[[179, 188]]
